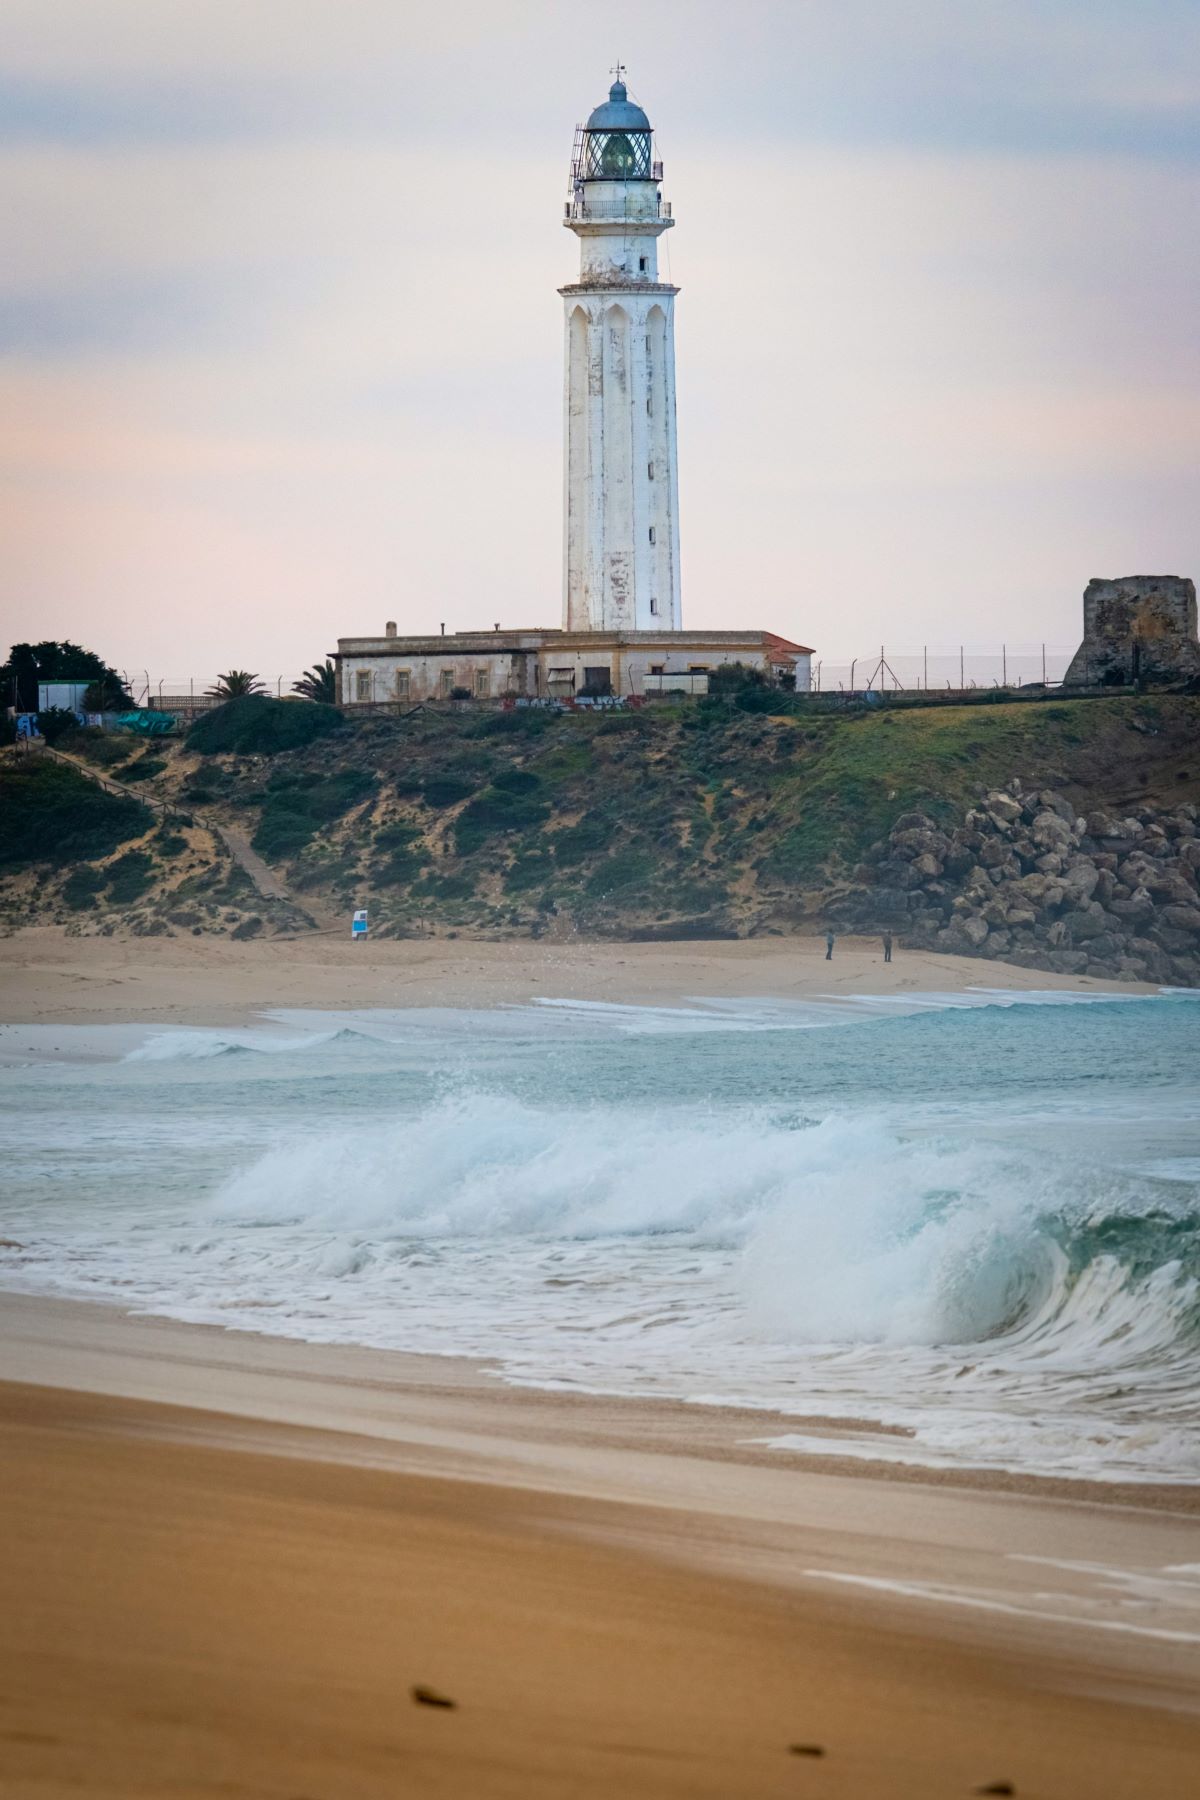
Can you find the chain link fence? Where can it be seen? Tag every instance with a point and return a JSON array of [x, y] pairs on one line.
[[190, 693], [955, 671], [942, 670]]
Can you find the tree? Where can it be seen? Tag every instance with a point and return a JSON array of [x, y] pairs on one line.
[[55, 660], [733, 679], [235, 685], [107, 694], [318, 683]]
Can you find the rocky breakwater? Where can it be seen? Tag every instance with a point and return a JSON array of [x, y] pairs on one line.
[[1027, 880]]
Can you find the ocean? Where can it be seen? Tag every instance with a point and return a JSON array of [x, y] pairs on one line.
[[965, 1228]]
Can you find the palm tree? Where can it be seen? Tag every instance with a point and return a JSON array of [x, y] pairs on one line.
[[235, 684], [318, 683]]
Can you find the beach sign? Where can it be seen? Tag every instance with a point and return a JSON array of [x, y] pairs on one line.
[[358, 925]]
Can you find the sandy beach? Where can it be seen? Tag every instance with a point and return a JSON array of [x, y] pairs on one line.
[[228, 1562], [49, 977], [230, 1559]]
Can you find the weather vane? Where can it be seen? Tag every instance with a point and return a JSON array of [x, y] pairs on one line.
[[618, 70]]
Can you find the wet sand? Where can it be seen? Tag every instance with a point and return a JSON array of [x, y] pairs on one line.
[[228, 1560], [47, 977]]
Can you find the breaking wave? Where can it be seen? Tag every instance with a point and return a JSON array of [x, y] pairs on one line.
[[978, 1227], [847, 1233], [201, 1046]]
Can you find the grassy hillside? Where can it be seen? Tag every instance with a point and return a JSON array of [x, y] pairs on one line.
[[690, 818], [97, 861]]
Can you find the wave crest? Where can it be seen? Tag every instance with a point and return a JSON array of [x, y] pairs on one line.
[[848, 1233]]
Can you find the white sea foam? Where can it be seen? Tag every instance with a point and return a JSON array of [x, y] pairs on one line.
[[1007, 1275]]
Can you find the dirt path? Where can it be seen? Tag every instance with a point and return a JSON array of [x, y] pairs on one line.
[[264, 879], [266, 882]]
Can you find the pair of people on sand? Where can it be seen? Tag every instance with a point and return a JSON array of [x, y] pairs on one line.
[[831, 940]]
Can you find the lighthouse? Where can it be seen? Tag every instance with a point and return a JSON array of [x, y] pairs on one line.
[[621, 641], [621, 492]]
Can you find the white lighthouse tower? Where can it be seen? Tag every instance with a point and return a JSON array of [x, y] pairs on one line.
[[621, 526], [622, 638]]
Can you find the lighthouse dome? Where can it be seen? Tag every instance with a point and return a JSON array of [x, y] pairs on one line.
[[616, 144], [618, 113]]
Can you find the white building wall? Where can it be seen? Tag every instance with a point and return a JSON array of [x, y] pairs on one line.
[[535, 671], [426, 675], [621, 531]]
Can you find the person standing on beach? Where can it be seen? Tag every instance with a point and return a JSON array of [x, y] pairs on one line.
[[887, 946], [829, 943]]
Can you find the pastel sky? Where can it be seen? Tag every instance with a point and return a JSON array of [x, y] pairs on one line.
[[280, 346]]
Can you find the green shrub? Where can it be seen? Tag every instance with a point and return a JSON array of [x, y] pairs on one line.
[[446, 790], [494, 812], [294, 811], [255, 723], [404, 859], [767, 699], [56, 722], [529, 871], [129, 877], [619, 876], [619, 724], [145, 770], [574, 845], [50, 813], [397, 834], [96, 746], [697, 896], [516, 781], [400, 869], [334, 795], [450, 887], [282, 835], [529, 721], [169, 843], [82, 886]]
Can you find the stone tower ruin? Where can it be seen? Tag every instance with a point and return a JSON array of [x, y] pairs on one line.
[[1137, 628]]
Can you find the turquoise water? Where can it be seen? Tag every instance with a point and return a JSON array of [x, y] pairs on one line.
[[977, 1224]]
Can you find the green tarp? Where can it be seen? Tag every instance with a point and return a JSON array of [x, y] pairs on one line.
[[147, 722]]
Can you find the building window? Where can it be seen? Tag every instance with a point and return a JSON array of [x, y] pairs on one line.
[[658, 668], [653, 604], [652, 534], [362, 684], [483, 684], [698, 668], [445, 682], [642, 264], [649, 404], [650, 470], [403, 683]]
